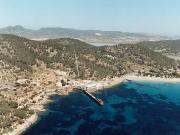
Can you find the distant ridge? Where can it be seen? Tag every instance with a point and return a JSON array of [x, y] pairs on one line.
[[95, 37]]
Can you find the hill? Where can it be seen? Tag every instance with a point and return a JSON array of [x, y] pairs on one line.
[[170, 48], [95, 37], [93, 62]]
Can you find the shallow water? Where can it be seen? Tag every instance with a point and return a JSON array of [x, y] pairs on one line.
[[131, 108]]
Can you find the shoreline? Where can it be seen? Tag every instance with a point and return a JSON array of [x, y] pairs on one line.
[[118, 80], [23, 127], [104, 84]]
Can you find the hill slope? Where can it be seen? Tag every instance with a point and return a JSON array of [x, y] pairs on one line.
[[93, 62], [170, 48]]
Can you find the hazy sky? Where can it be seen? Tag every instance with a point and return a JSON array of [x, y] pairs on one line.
[[149, 16]]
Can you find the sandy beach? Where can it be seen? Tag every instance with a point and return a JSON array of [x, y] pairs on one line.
[[138, 78], [116, 81]]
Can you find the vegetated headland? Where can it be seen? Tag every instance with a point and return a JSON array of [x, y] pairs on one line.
[[31, 71]]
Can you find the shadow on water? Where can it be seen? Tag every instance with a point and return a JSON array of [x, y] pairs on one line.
[[125, 112]]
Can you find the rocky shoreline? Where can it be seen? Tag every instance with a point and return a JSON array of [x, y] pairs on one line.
[[23, 127]]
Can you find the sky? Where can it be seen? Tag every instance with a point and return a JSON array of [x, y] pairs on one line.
[[144, 16]]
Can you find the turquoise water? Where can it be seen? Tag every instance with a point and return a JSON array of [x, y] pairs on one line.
[[131, 108]]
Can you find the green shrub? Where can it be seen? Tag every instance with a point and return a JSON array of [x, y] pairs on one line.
[[13, 104], [20, 114]]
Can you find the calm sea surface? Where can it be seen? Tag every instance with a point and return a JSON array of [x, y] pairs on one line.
[[131, 108]]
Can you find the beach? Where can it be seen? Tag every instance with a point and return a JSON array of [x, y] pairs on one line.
[[128, 77], [142, 78]]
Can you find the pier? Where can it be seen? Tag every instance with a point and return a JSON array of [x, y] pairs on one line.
[[97, 100]]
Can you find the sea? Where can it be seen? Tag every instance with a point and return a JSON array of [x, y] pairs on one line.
[[130, 108]]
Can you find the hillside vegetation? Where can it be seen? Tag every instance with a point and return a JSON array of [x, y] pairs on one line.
[[167, 46], [93, 62]]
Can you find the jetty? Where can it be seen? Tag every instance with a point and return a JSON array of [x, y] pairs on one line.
[[97, 100]]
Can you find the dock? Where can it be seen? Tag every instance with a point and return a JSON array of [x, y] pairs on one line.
[[97, 100], [128, 80]]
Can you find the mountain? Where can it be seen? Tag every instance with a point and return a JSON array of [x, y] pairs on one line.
[[94, 62], [95, 37]]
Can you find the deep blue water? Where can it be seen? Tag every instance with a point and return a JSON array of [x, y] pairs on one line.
[[131, 108]]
